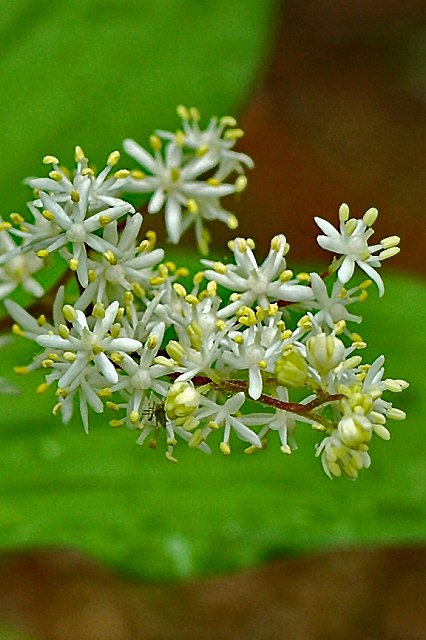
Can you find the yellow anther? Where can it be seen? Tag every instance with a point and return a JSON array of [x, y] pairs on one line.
[[156, 280], [286, 275], [151, 236], [53, 356], [175, 350], [231, 245], [69, 356], [370, 217], [182, 272], [286, 249], [359, 344], [232, 221], [168, 455], [152, 342], [363, 296], [48, 215], [198, 277], [92, 275], [285, 449], [17, 331], [340, 326], [213, 425], [116, 423], [56, 409], [212, 288], [180, 138], [355, 337], [138, 290], [22, 371], [303, 277], [191, 299], [228, 121], [195, 114], [63, 331], [225, 448], [122, 174], [46, 363], [75, 196], [163, 271], [5, 225], [73, 264], [155, 143], [50, 160], [286, 334], [128, 297], [260, 314], [55, 175], [88, 171], [112, 406], [104, 393], [192, 206], [214, 182], [219, 267], [238, 338], [134, 416], [272, 309], [104, 220], [240, 184], [234, 296], [41, 320], [233, 134], [179, 290], [250, 243], [343, 212], [389, 253], [79, 154], [113, 158], [389, 242], [115, 330], [350, 226], [196, 438], [182, 112], [202, 150], [42, 388], [116, 357], [170, 266], [276, 243], [305, 323], [120, 314], [69, 312], [262, 364], [221, 325], [137, 174], [16, 218], [98, 310]]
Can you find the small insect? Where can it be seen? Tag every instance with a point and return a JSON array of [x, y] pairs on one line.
[[157, 414]]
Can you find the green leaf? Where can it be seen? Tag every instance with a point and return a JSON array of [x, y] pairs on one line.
[[131, 508], [95, 72]]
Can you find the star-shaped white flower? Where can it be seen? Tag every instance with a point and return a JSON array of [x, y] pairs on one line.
[[352, 243], [253, 283]]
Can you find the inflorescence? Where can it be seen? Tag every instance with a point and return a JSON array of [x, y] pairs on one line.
[[248, 349]]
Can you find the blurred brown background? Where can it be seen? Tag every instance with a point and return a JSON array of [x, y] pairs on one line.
[[340, 115]]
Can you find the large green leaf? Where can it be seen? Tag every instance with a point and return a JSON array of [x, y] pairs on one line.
[[94, 72], [131, 508]]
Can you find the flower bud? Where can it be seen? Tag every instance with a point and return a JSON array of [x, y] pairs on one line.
[[325, 352], [182, 401]]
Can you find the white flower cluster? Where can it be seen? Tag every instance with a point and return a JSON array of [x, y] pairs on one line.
[[179, 362]]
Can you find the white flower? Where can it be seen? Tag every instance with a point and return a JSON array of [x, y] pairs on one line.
[[119, 269], [86, 346], [18, 267], [223, 415], [64, 188], [173, 182], [332, 308], [215, 141], [255, 283], [75, 226], [352, 243]]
